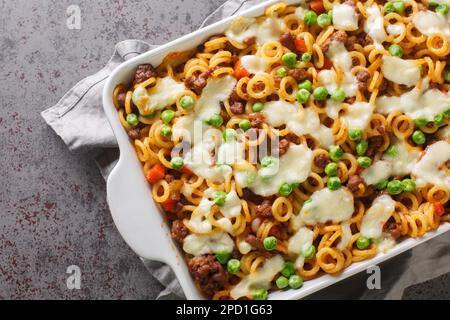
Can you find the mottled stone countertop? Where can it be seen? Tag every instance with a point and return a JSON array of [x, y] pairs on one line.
[[53, 211]]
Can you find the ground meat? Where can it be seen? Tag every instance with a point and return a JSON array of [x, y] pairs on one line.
[[293, 138], [360, 38], [259, 86], [321, 161], [354, 182], [144, 72], [250, 41], [197, 83], [234, 97], [208, 273], [350, 100], [254, 241], [375, 143], [393, 228], [279, 231], [282, 148], [179, 231], [121, 99], [256, 119], [169, 178], [237, 108], [250, 196], [134, 133], [264, 210], [287, 40], [338, 36], [363, 79], [229, 47], [298, 74]]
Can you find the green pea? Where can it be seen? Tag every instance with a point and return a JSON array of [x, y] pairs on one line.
[[310, 17], [323, 20], [166, 130], [389, 7], [282, 72], [364, 162], [335, 153], [167, 116], [408, 185], [442, 9], [305, 84], [447, 76], [355, 134], [392, 151], [333, 183], [285, 190], [320, 93], [381, 185], [310, 252], [288, 269], [418, 137], [267, 161], [187, 102], [132, 119], [233, 265], [216, 120], [223, 256], [245, 125], [260, 294], [395, 50], [306, 57], [219, 198], [361, 148], [447, 113], [338, 95], [295, 281], [439, 120], [420, 122], [331, 169], [302, 95], [363, 243], [229, 135], [270, 243], [289, 59], [399, 6], [177, 163], [394, 187], [282, 282]]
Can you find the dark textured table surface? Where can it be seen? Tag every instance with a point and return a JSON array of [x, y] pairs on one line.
[[53, 212]]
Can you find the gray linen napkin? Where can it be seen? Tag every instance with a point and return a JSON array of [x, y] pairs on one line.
[[78, 118]]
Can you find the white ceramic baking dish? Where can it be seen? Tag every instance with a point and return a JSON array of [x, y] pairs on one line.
[[137, 217]]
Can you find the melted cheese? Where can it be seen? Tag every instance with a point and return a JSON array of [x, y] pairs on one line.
[[254, 64], [395, 29], [344, 17], [374, 24], [298, 121], [429, 168], [230, 152], [327, 205], [373, 220], [261, 278], [385, 244], [417, 103], [162, 95], [198, 244], [430, 23], [269, 29], [294, 167], [444, 133], [399, 165], [300, 241], [244, 247], [359, 114], [346, 236], [216, 91], [400, 71]]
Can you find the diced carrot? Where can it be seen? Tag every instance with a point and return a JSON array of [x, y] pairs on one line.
[[168, 205], [156, 173], [439, 208], [327, 64], [239, 70], [317, 6], [300, 45]]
